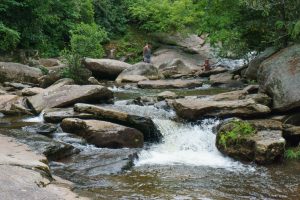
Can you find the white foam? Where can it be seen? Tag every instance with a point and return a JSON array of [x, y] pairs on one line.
[[186, 144], [39, 118]]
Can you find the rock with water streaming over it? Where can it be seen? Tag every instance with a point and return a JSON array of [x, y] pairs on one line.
[[104, 134], [68, 95], [143, 124], [195, 109], [244, 142], [169, 84]]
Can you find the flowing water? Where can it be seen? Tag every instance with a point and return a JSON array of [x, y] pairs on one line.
[[185, 165]]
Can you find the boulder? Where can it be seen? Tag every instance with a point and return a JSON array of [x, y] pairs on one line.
[[19, 73], [253, 66], [56, 115], [132, 79], [104, 134], [174, 68], [93, 81], [143, 124], [12, 105], [68, 95], [166, 95], [17, 86], [31, 91], [105, 68], [223, 78], [292, 135], [213, 71], [194, 109], [49, 79], [279, 77], [49, 62], [169, 84], [142, 69], [240, 140]]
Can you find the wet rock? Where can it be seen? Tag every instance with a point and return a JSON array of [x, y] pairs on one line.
[[279, 77], [18, 73], [68, 95], [292, 135], [166, 95], [52, 149], [142, 69], [169, 84], [13, 105], [104, 134], [223, 78], [105, 68], [194, 109], [245, 143], [43, 129], [56, 115], [143, 124], [251, 72]]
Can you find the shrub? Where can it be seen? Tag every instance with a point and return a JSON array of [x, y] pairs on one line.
[[9, 38], [86, 40], [292, 153]]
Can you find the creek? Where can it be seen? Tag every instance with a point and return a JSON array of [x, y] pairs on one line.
[[184, 165]]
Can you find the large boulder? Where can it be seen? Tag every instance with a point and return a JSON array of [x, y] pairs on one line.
[[194, 109], [12, 105], [56, 115], [175, 67], [253, 66], [105, 68], [222, 78], [104, 134], [169, 84], [279, 77], [19, 73], [49, 62], [68, 95], [143, 124], [241, 140], [141, 69]]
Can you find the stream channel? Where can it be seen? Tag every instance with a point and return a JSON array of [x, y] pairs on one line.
[[185, 165]]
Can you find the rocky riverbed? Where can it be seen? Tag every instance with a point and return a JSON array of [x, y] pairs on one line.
[[158, 131]]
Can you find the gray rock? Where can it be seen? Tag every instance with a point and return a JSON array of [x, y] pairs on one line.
[[104, 134], [223, 78], [13, 105], [170, 84], [18, 73], [49, 62], [56, 115], [93, 81], [279, 77], [105, 68], [68, 95], [292, 135]]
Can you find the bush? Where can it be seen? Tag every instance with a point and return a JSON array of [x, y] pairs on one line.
[[9, 38], [86, 40], [292, 153], [74, 69]]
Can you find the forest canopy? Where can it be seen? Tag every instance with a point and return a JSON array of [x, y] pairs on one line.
[[51, 26]]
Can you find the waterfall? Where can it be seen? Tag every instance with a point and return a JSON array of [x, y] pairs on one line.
[[38, 119], [186, 144]]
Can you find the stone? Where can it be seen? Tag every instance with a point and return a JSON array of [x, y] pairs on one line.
[[104, 134], [194, 109], [13, 105], [68, 95], [266, 124], [43, 129], [93, 81], [279, 77], [170, 84], [56, 115], [213, 71], [49, 62], [292, 135], [31, 91], [47, 80], [142, 69], [143, 124], [105, 68], [253, 66], [132, 79], [18, 73], [175, 67], [260, 146], [223, 78], [17, 86], [166, 95]]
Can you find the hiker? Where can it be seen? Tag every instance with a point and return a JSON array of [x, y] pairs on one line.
[[206, 65], [147, 53]]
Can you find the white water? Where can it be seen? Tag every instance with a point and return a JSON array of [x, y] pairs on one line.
[[186, 144], [39, 118]]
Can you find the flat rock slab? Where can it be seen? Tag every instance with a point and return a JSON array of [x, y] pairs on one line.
[[56, 115], [169, 84], [68, 95], [13, 104], [194, 109], [143, 124], [26, 175], [104, 134]]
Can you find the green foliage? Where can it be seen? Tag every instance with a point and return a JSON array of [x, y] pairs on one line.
[[74, 69], [292, 154], [239, 129], [86, 40], [9, 38], [44, 70]]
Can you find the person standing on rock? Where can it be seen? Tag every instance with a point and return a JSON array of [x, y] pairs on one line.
[[147, 53]]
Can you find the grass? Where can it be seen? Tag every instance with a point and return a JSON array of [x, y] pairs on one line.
[[239, 129], [292, 153]]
